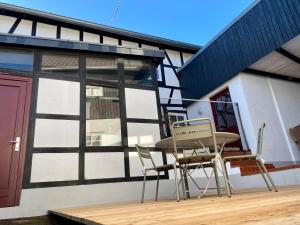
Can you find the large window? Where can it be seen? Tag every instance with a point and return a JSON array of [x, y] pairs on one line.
[[103, 125], [16, 60], [104, 69], [138, 72], [65, 64]]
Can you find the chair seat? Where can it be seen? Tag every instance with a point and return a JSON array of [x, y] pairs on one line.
[[239, 157], [162, 167], [196, 159]]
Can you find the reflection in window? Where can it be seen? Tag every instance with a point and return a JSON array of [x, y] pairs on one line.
[[137, 72], [224, 112], [16, 60], [60, 64], [102, 69], [103, 125]]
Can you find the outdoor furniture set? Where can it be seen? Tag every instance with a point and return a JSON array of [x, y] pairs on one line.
[[196, 145]]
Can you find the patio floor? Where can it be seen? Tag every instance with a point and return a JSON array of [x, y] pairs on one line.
[[247, 207]]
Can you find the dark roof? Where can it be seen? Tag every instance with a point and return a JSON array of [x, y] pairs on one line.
[[265, 26], [25, 12]]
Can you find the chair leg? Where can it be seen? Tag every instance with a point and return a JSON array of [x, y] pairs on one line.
[[182, 183], [226, 174], [268, 175], [263, 175], [144, 184], [225, 177], [157, 186], [176, 182], [217, 178]]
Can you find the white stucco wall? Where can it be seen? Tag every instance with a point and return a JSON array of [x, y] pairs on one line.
[[261, 99]]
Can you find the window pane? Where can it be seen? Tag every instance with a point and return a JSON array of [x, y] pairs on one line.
[[137, 72], [60, 64], [103, 125], [102, 69], [11, 59]]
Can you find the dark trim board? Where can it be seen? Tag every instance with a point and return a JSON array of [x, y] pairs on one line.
[[265, 27], [82, 148], [272, 75], [288, 55], [73, 45]]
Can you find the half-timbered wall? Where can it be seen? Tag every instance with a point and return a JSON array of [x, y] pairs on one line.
[[56, 156]]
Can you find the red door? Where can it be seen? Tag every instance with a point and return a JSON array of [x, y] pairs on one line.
[[224, 116], [14, 112]]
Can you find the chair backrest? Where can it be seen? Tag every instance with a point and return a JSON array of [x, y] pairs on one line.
[[144, 154], [193, 130], [260, 139]]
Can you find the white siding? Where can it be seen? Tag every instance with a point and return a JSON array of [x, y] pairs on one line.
[[69, 34], [46, 30], [171, 78], [186, 56], [110, 41], [130, 44], [58, 97], [6, 23], [174, 57], [89, 37], [146, 134], [24, 28], [54, 167], [149, 47], [104, 165], [141, 104], [56, 133]]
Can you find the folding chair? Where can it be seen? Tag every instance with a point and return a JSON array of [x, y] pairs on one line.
[[258, 158], [144, 154]]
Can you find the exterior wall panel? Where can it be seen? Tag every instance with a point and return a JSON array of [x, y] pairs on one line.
[[265, 27]]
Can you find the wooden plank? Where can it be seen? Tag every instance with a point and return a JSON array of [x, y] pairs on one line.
[[251, 207]]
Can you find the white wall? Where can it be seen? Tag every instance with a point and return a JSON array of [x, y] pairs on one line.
[[37, 201], [287, 96], [261, 99]]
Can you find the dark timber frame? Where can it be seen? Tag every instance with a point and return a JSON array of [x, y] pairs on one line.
[[83, 49], [36, 74]]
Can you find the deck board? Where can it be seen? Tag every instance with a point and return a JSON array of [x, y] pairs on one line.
[[250, 207]]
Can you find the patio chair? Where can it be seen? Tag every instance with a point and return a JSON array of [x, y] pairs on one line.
[[191, 133], [295, 134], [259, 161], [144, 154]]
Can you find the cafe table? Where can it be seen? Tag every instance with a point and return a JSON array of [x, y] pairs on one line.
[[222, 138]]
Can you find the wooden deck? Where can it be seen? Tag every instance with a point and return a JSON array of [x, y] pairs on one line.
[[251, 207]]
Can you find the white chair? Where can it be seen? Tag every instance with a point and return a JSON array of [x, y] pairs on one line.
[[144, 154]]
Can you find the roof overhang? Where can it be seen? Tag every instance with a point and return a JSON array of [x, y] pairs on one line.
[[266, 31], [106, 30], [282, 62], [83, 46]]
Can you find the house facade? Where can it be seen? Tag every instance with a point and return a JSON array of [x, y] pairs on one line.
[[76, 97], [254, 61]]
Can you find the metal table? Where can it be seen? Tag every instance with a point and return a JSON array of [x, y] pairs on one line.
[[222, 138]]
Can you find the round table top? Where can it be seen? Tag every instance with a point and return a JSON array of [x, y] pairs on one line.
[[167, 144]]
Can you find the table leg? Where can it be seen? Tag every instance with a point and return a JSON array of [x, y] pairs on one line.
[[187, 189]]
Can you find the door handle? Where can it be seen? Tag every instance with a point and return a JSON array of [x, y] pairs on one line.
[[17, 143]]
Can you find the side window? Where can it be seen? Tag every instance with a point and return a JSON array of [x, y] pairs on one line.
[[65, 64], [16, 60]]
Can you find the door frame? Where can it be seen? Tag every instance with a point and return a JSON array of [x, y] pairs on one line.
[[24, 136], [221, 92]]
